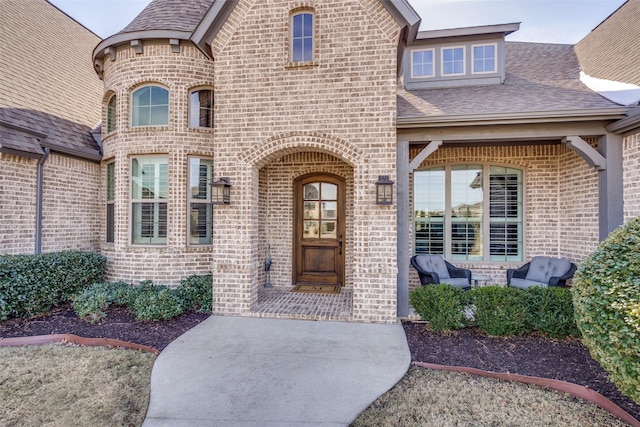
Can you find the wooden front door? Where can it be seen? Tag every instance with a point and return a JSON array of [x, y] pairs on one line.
[[319, 230]]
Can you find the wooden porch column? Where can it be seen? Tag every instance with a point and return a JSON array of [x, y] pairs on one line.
[[402, 179]]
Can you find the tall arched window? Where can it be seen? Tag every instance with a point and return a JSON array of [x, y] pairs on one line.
[[302, 35], [150, 106], [111, 114], [469, 212]]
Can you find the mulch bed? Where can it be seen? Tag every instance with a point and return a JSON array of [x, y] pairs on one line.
[[532, 355]]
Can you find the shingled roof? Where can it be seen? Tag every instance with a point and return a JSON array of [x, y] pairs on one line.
[[539, 78], [50, 95], [174, 15]]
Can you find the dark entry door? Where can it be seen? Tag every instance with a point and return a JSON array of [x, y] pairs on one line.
[[319, 230]]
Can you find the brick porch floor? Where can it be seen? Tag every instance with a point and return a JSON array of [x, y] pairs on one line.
[[281, 303]]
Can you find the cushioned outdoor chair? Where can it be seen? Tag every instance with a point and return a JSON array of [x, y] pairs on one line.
[[433, 269], [541, 271]]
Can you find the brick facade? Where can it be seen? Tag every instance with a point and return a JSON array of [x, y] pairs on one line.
[[631, 171]]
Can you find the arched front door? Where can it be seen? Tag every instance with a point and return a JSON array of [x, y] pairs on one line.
[[319, 206]]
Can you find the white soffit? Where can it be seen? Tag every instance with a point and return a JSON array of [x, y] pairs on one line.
[[618, 92]]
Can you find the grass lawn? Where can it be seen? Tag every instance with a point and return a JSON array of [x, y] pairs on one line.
[[437, 398], [58, 385]]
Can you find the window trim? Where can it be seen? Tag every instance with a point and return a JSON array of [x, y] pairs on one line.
[[495, 58], [292, 14], [190, 108], [155, 201], [112, 124], [464, 60], [110, 201], [168, 105], [191, 201], [433, 63], [486, 213]]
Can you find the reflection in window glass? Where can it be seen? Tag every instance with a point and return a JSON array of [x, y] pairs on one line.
[[149, 191], [111, 114], [453, 60], [302, 37], [321, 206], [200, 208], [150, 106], [201, 109], [110, 235]]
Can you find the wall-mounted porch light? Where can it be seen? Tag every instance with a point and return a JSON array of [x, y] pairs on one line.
[[221, 191], [384, 190]]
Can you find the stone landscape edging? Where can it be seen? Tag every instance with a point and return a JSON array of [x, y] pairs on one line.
[[74, 339], [575, 390]]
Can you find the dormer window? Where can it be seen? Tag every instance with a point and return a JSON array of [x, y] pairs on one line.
[[453, 61], [302, 37], [484, 58], [150, 106], [422, 63]]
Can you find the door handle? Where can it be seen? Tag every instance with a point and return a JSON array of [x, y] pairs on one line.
[[340, 245]]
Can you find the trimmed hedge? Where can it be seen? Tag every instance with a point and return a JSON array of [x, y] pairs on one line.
[[607, 303], [147, 301], [33, 284], [497, 310]]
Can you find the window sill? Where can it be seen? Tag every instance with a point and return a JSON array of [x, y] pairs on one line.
[[301, 64]]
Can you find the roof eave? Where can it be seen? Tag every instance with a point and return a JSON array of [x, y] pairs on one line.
[[405, 16], [629, 123], [211, 23], [615, 113], [123, 38]]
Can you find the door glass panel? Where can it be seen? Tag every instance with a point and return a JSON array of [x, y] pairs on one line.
[[328, 229], [329, 210], [312, 191], [311, 210], [329, 191], [310, 229]]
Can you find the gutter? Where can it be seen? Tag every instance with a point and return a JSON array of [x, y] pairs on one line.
[[39, 199]]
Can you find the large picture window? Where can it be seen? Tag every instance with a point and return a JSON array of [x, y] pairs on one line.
[[150, 106], [111, 184], [302, 37], [200, 208], [149, 191], [469, 212]]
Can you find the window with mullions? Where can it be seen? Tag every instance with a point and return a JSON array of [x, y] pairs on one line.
[[201, 108], [302, 37], [149, 191], [422, 63], [200, 208], [469, 212], [111, 114], [150, 106], [110, 232], [453, 61], [484, 58]]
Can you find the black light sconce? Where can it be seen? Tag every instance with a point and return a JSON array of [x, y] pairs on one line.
[[384, 190], [221, 191]]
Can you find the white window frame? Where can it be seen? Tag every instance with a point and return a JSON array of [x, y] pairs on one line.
[[157, 238], [495, 58], [292, 39], [464, 60], [433, 63], [199, 200], [195, 108], [486, 219], [110, 197], [133, 107]]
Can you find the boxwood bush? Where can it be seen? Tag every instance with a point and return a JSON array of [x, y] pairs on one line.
[[196, 293], [500, 311], [442, 305], [606, 295], [33, 284], [550, 311]]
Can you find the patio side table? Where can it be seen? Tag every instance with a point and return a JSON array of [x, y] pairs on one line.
[[476, 280]]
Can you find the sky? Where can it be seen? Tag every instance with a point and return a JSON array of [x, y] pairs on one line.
[[544, 21]]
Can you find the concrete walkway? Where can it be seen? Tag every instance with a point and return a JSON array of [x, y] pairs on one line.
[[236, 371]]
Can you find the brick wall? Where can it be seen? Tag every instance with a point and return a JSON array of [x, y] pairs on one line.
[[631, 176], [178, 72], [18, 183], [560, 198]]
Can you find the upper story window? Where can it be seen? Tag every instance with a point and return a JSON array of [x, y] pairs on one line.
[[469, 212], [422, 63], [149, 193], [453, 61], [302, 43], [150, 106], [111, 114], [484, 58], [201, 108]]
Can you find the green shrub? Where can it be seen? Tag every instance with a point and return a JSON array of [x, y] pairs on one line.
[[443, 306], [156, 302], [500, 311], [550, 311], [606, 296], [33, 284], [91, 302], [196, 293]]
